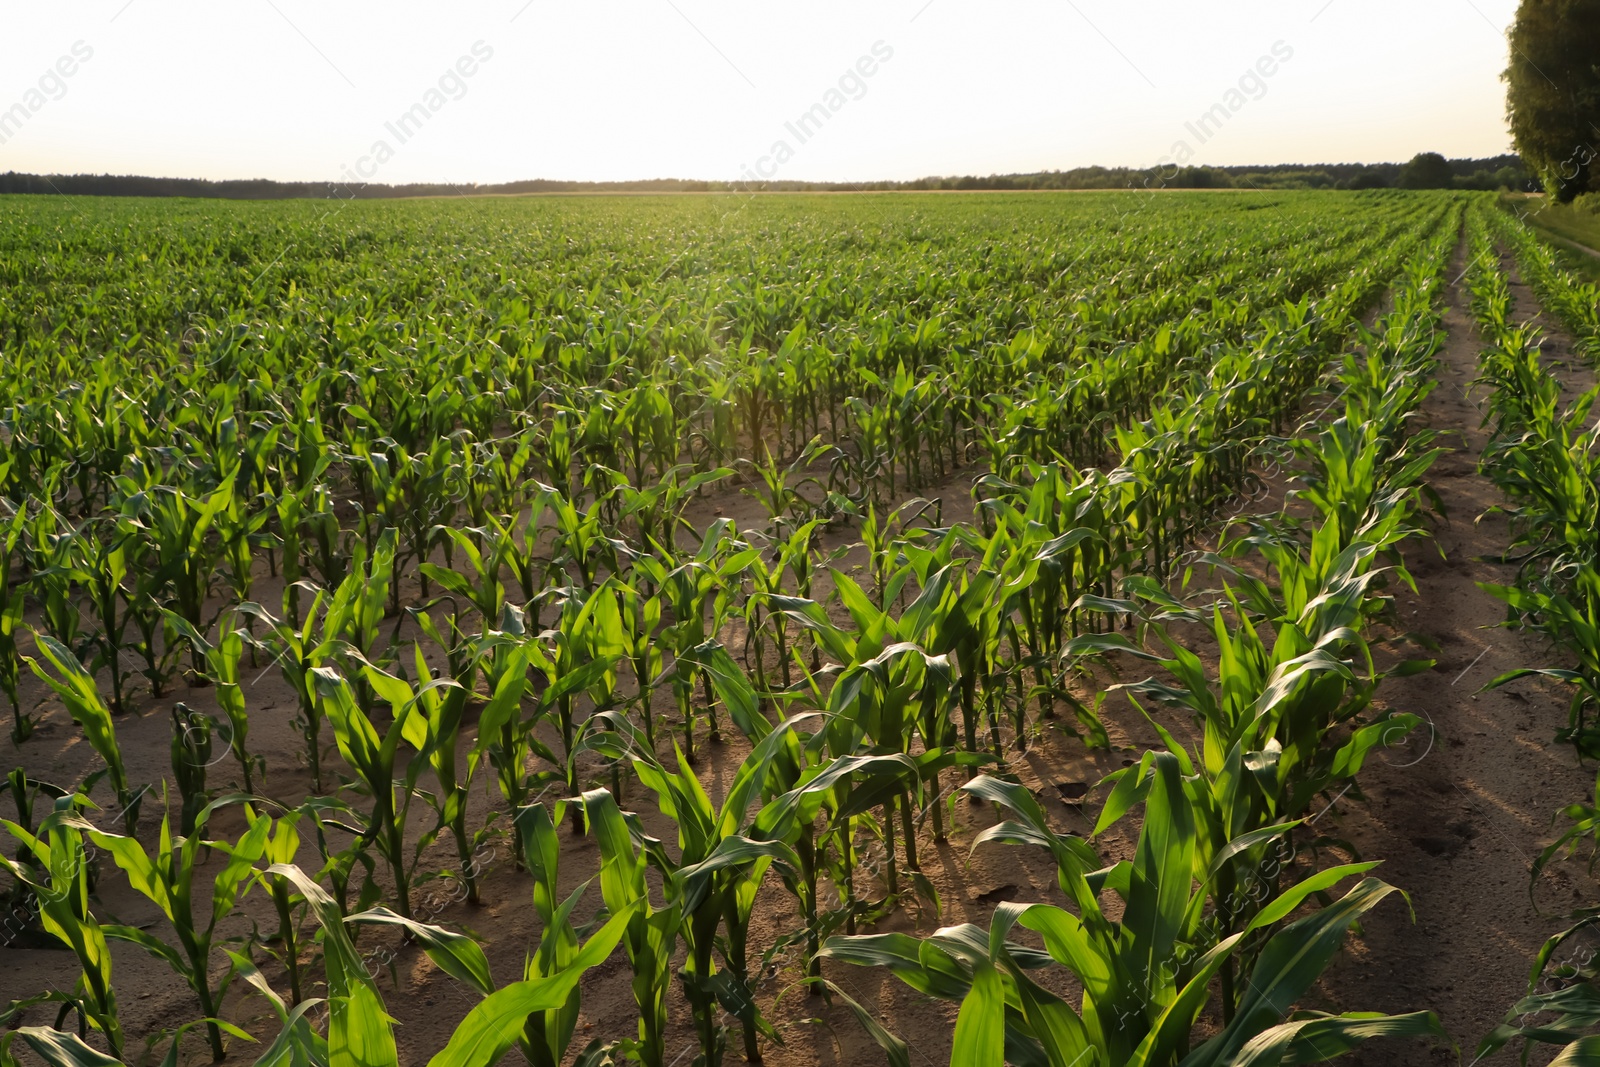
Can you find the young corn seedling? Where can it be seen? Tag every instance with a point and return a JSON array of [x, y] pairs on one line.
[[298, 1043], [713, 883], [641, 621], [11, 602], [581, 543], [1559, 1007], [586, 647], [167, 878], [372, 757], [547, 1034], [222, 670], [483, 588], [657, 509], [298, 650], [77, 689], [356, 612], [281, 847], [1146, 977], [329, 548], [844, 789], [433, 729], [518, 546], [191, 756], [507, 737], [328, 816], [57, 872], [102, 563], [652, 933], [691, 588], [187, 554], [239, 529], [56, 577], [360, 1030]]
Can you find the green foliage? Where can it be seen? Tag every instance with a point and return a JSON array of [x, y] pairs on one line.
[[77, 689], [1427, 170], [1146, 977], [166, 877], [1553, 92], [486, 491], [56, 870]]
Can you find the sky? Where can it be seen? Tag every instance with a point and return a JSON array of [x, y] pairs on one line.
[[502, 90]]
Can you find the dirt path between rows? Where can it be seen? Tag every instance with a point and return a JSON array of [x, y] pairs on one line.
[[1460, 814]]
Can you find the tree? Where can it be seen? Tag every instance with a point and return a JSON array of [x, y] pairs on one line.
[[1427, 170], [1553, 93], [1368, 178], [1201, 178]]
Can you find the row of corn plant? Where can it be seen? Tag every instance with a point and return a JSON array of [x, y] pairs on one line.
[[1206, 903], [1544, 457]]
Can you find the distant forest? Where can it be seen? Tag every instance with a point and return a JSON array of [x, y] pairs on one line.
[[1494, 173]]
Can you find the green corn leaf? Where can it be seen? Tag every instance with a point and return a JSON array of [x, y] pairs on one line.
[[457, 955], [58, 1049], [980, 1038], [1318, 1038], [895, 1051], [1291, 962], [494, 1026]]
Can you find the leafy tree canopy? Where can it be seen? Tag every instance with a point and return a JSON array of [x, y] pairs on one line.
[[1427, 170], [1553, 93]]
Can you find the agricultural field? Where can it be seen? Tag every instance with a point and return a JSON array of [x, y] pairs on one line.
[[983, 629]]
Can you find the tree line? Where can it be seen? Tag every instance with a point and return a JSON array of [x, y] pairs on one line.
[[1494, 173]]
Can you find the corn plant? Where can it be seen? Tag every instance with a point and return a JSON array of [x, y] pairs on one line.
[[690, 588], [54, 1047], [356, 610], [187, 555], [12, 528], [78, 691], [360, 1029], [585, 646], [656, 511], [1146, 977], [651, 937], [548, 1033], [166, 878], [57, 872], [845, 789], [325, 817], [55, 577], [482, 588], [641, 615], [191, 756], [222, 671], [507, 737], [712, 885], [298, 1043], [373, 758], [518, 546], [1562, 1006], [102, 565], [297, 649], [281, 847], [433, 712]]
